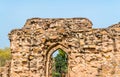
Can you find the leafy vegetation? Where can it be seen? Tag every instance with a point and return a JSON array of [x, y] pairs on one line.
[[5, 55], [60, 64]]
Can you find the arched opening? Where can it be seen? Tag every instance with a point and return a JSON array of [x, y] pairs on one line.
[[58, 64]]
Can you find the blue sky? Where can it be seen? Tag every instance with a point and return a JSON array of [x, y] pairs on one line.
[[14, 13]]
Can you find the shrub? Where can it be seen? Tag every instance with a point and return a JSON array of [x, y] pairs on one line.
[[5, 55]]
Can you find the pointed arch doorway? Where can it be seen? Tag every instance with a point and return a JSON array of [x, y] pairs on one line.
[[57, 62]]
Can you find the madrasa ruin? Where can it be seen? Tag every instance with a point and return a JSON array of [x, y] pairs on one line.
[[92, 52]]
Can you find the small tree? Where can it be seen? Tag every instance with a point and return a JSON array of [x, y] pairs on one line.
[[60, 64]]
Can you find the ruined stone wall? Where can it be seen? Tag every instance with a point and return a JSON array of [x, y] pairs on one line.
[[91, 52], [5, 71]]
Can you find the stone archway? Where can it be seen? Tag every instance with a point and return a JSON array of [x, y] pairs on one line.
[[50, 52], [91, 50]]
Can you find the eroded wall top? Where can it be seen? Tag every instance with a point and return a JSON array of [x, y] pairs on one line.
[[50, 22]]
